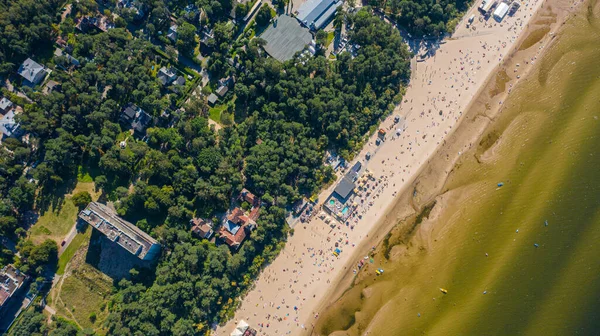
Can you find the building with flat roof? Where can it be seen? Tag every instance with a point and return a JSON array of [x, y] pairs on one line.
[[316, 11], [120, 231], [11, 280], [324, 19], [285, 37]]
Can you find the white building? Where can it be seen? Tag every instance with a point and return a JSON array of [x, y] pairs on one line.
[[501, 11]]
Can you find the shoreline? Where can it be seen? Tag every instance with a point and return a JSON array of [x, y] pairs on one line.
[[278, 285], [407, 207]]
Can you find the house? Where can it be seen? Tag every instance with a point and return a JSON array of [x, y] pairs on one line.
[[235, 228], [5, 105], [191, 13], [136, 119], [120, 231], [172, 33], [137, 7], [222, 90], [247, 196], [200, 228], [52, 86], [69, 60], [167, 76], [11, 281], [212, 99], [180, 81], [32, 72], [91, 23], [9, 127], [207, 34]]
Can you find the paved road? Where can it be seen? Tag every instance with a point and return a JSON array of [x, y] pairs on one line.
[[68, 239]]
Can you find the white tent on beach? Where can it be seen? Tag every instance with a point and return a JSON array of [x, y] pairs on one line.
[[501, 11], [240, 329]]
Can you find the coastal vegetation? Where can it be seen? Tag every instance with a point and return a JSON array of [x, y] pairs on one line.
[[424, 17]]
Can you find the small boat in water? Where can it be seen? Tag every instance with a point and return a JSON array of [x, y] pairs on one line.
[[443, 290]]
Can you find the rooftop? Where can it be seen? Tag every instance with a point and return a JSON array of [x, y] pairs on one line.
[[31, 70], [5, 104], [285, 37], [11, 279], [201, 228], [312, 10], [8, 124], [345, 187], [120, 231]]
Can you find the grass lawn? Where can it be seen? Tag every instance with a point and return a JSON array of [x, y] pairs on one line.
[[83, 175], [69, 252], [215, 112], [330, 36], [83, 290], [56, 224]]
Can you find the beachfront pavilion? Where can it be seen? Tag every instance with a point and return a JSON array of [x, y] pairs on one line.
[[339, 203]]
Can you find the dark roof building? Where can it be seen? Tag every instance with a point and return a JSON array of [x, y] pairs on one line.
[[285, 37], [33, 72], [11, 280], [345, 187], [356, 167], [120, 231], [136, 119]]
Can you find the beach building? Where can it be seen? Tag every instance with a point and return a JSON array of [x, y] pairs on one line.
[[243, 329], [32, 72], [501, 11], [11, 281], [486, 6], [120, 231], [314, 14], [285, 37]]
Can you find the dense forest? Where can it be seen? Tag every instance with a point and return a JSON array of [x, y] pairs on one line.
[[285, 118], [426, 17]]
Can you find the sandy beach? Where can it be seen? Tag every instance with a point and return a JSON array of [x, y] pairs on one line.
[[289, 293]]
